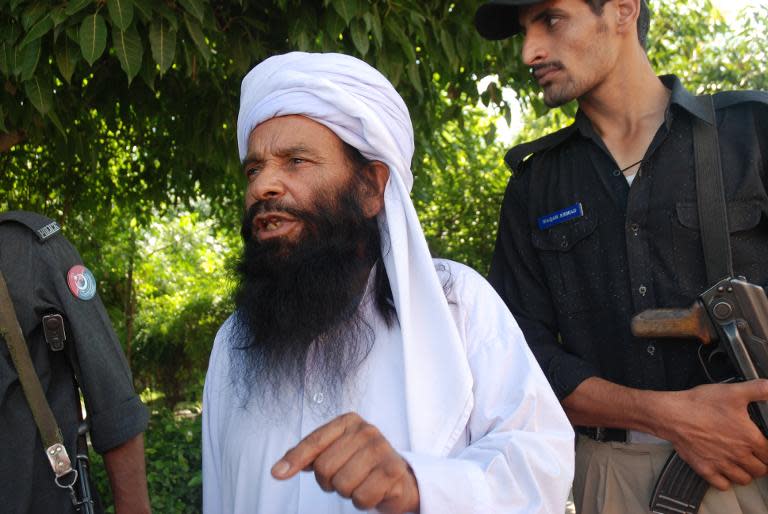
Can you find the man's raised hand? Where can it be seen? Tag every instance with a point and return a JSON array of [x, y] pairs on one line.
[[350, 456]]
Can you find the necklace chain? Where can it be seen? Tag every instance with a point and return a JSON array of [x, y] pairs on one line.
[[631, 165]]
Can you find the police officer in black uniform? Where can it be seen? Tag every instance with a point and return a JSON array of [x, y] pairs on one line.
[[598, 223], [45, 276]]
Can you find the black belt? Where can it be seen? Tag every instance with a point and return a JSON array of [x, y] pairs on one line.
[[604, 435]]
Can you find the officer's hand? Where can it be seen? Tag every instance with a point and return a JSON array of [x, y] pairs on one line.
[[351, 457], [711, 430]]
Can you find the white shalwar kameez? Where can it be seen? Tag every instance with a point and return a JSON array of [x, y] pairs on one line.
[[452, 385], [514, 455]]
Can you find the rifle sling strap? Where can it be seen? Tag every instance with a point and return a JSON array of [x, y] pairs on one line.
[[30, 384], [710, 196]]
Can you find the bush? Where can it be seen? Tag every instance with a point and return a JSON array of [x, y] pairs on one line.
[[174, 464]]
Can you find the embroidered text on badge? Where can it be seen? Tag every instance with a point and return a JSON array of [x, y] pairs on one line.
[[561, 216], [81, 282], [48, 230]]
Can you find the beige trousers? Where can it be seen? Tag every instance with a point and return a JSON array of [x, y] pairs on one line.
[[618, 478]]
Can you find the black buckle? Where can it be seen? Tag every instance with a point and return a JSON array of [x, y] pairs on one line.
[[604, 435], [53, 329]]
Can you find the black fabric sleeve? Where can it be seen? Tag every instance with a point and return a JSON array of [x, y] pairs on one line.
[[518, 277], [115, 410]]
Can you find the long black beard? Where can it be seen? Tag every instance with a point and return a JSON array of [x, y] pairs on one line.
[[299, 318]]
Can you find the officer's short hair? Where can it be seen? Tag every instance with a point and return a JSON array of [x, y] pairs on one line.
[[643, 20]]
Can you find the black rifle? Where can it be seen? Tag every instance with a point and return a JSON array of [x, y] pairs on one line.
[[83, 504], [733, 314]]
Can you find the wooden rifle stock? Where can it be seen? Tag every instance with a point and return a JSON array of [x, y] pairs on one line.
[[684, 323]]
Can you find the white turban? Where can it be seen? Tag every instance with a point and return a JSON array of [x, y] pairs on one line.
[[363, 109]]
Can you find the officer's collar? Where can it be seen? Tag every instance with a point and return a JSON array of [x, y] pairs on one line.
[[683, 98]]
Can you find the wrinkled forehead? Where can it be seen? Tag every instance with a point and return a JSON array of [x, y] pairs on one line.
[[291, 134]]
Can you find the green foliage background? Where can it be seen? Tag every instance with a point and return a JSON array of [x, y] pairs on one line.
[[117, 118]]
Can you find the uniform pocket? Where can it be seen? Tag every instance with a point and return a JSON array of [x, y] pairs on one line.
[[742, 215], [566, 251], [748, 242]]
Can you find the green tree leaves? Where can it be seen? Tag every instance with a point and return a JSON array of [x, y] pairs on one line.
[[360, 36], [93, 37], [121, 13], [88, 53], [75, 6], [66, 54], [163, 40], [128, 49], [40, 28], [195, 8], [347, 9], [39, 94], [195, 31]]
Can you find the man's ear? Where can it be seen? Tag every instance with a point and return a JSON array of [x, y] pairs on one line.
[[627, 12], [377, 175]]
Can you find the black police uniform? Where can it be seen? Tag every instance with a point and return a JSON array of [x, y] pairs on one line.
[[579, 251], [35, 259]]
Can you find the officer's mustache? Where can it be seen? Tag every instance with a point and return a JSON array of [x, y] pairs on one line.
[[539, 69]]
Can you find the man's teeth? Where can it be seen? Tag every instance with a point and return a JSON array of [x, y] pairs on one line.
[[273, 224]]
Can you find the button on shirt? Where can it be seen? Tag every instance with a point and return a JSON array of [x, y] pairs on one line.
[[574, 287]]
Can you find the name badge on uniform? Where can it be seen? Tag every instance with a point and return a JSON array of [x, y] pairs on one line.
[[550, 220]]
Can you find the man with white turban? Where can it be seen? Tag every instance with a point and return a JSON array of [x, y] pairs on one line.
[[394, 381]]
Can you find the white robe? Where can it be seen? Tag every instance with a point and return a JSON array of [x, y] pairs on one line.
[[515, 454]]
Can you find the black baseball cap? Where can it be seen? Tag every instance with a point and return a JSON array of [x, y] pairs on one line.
[[497, 19]]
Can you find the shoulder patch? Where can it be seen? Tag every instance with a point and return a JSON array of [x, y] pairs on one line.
[[519, 153], [81, 282], [42, 226]]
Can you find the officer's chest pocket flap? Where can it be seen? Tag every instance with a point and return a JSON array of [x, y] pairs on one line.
[[742, 215], [565, 252], [562, 238]]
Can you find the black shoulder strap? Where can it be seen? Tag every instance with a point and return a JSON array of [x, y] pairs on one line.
[[42, 226], [710, 196]]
